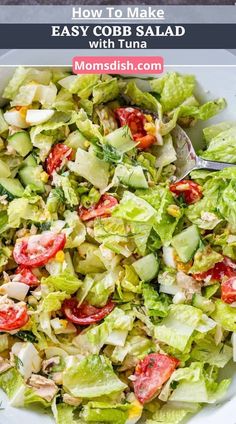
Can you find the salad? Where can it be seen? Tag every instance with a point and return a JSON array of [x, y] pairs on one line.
[[118, 284]]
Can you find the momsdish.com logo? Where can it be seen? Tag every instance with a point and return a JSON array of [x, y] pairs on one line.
[[117, 65]]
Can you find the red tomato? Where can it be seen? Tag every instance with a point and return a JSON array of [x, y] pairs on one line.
[[228, 290], [217, 273], [37, 250], [135, 120], [27, 276], [132, 117], [191, 192], [85, 314], [57, 156], [103, 208], [151, 373], [13, 316]]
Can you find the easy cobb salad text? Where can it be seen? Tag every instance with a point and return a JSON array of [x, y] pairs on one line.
[[118, 284]]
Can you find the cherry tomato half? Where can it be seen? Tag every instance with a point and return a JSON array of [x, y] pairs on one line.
[[103, 208], [228, 290], [135, 120], [27, 276], [151, 373], [37, 250], [85, 314], [217, 273], [191, 192], [13, 316], [57, 156]]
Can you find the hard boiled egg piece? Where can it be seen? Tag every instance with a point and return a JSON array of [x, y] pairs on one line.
[[16, 118], [38, 116]]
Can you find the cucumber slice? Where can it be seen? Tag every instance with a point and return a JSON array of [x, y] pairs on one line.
[[29, 161], [11, 187], [121, 139], [146, 267], [132, 176], [200, 302], [186, 243], [21, 142], [31, 175], [75, 140], [4, 169]]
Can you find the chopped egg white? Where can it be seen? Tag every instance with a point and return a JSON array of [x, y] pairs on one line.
[[38, 116], [15, 290], [16, 118], [29, 359], [169, 257]]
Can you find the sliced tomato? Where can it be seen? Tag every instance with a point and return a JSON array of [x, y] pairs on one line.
[[13, 316], [191, 191], [103, 208], [132, 117], [217, 273], [228, 290], [85, 314], [27, 276], [57, 157], [145, 141], [37, 250], [150, 375]]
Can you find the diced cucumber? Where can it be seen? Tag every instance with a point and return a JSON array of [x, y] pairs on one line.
[[200, 302], [147, 267], [4, 169], [132, 176], [31, 175], [75, 140], [29, 161], [21, 142], [121, 139], [186, 243], [11, 187]]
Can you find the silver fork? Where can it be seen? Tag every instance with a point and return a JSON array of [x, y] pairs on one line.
[[187, 160]]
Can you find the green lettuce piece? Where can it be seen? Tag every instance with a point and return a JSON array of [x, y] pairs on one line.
[[89, 260], [24, 75], [12, 383], [65, 282], [173, 89], [221, 146], [105, 91], [204, 112], [130, 281], [157, 305], [103, 286], [225, 315], [64, 414], [227, 204], [5, 254], [79, 379], [169, 414], [74, 229], [4, 342], [70, 195], [113, 234], [92, 169], [64, 101], [205, 259], [214, 130], [32, 399], [165, 154], [105, 412], [53, 301], [20, 209], [33, 92], [86, 126], [43, 136], [135, 346], [161, 199], [133, 208], [87, 105], [139, 98], [205, 350], [176, 329], [82, 85], [3, 124], [140, 235], [106, 118]]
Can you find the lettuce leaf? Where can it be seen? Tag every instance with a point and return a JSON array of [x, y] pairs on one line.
[[206, 350], [79, 378], [133, 208], [225, 315], [205, 259], [74, 229], [139, 98], [82, 85], [24, 75], [221, 146], [65, 282], [105, 412], [53, 301], [157, 305], [105, 91]]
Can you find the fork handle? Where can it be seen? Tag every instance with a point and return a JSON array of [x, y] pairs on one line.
[[212, 165]]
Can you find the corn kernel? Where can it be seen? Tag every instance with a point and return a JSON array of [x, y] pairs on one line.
[[60, 256], [86, 144], [44, 177], [148, 118], [184, 267], [150, 128], [174, 211]]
